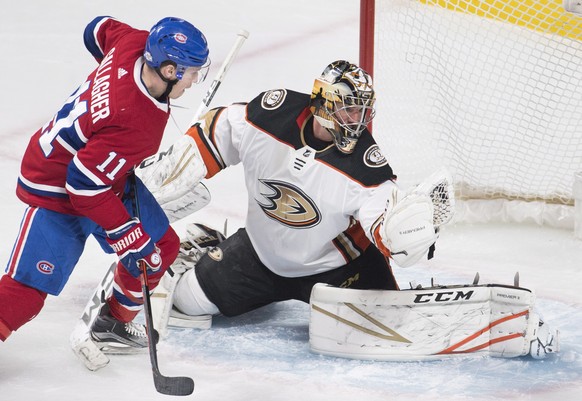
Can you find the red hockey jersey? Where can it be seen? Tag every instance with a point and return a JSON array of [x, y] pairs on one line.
[[79, 161]]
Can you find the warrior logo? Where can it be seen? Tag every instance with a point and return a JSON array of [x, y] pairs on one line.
[[289, 205]]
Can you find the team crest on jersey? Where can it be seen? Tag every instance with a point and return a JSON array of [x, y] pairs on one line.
[[273, 99], [215, 253], [45, 267], [289, 205], [373, 157]]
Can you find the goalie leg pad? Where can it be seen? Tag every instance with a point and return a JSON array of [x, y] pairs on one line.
[[199, 239], [191, 299], [86, 350], [166, 315], [422, 324]]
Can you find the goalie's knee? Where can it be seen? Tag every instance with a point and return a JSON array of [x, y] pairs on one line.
[[189, 297], [19, 304]]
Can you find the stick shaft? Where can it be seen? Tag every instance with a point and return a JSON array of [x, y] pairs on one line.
[[240, 39]]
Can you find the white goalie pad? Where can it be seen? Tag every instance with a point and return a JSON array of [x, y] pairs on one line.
[[427, 324], [197, 241], [173, 177]]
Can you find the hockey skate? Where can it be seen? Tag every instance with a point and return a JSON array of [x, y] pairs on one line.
[[115, 337]]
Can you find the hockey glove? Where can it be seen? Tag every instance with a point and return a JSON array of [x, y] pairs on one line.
[[408, 230], [132, 244]]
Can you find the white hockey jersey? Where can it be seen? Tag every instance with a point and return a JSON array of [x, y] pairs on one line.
[[309, 210]]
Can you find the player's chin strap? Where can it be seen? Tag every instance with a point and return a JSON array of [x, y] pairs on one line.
[[170, 85]]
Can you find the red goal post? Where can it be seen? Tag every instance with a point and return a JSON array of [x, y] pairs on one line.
[[490, 89]]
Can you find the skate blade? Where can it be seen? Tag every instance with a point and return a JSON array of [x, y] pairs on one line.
[[113, 348]]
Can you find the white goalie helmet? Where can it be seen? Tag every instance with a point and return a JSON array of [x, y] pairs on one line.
[[342, 101]]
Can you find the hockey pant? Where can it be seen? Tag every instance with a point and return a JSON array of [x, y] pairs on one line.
[[48, 247], [221, 279]]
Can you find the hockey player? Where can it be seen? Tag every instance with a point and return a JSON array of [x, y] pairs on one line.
[[325, 217], [77, 175], [319, 190]]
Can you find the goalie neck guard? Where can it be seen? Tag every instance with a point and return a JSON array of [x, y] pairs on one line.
[[342, 101]]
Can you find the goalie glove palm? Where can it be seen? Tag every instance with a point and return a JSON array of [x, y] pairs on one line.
[[132, 244], [408, 230]]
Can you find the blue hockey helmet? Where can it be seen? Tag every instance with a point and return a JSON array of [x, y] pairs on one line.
[[177, 40]]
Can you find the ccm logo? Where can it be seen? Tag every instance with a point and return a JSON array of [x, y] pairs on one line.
[[442, 296], [45, 267]]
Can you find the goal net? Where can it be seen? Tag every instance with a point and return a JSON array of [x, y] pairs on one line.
[[490, 89]]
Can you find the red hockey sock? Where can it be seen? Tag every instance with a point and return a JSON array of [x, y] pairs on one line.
[[19, 304]]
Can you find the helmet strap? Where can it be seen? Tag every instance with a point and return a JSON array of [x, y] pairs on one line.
[[169, 85]]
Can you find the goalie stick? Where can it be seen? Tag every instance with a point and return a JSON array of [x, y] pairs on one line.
[[173, 176], [241, 37]]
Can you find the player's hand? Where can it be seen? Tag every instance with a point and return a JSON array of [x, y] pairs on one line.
[[132, 244]]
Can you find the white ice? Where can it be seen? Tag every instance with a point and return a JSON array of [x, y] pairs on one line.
[[263, 355]]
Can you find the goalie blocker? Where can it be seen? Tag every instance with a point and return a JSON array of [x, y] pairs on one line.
[[427, 324]]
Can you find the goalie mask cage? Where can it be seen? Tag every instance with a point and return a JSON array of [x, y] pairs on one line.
[[490, 89]]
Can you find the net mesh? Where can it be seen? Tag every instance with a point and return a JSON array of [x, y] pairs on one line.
[[492, 90]]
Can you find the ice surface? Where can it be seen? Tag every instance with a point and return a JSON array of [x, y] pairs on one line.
[[263, 355]]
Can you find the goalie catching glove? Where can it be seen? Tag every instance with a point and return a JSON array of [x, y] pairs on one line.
[[132, 244], [411, 222], [408, 230]]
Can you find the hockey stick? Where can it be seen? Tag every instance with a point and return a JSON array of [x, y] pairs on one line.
[[242, 36], [180, 385], [154, 170]]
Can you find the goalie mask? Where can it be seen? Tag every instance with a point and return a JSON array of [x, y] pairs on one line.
[[342, 101]]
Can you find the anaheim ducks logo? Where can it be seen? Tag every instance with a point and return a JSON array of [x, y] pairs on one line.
[[289, 205], [215, 253]]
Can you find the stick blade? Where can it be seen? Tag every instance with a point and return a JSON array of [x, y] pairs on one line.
[[174, 385]]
